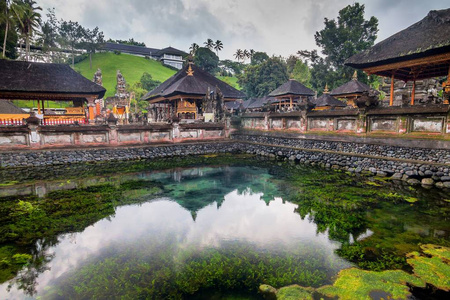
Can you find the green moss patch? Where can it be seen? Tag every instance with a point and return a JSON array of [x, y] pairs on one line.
[[433, 266], [359, 284]]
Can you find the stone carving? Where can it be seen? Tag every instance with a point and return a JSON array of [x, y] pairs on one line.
[[98, 77], [219, 110], [121, 88]]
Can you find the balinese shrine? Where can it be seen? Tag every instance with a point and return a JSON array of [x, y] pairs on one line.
[[350, 91], [290, 95], [190, 95], [21, 80]]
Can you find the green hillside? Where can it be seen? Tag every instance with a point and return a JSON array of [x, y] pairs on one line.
[[132, 67], [231, 81]]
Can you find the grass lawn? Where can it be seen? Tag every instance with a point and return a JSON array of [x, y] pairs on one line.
[[48, 104], [231, 81], [131, 67]]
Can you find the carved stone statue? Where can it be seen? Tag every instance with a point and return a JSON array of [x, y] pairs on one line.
[[121, 87], [98, 77], [219, 110]]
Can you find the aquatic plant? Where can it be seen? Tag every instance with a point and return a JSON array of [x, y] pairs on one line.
[[432, 266], [360, 284]]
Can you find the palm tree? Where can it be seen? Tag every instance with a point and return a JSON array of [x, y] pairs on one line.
[[245, 54], [30, 21], [218, 46], [194, 47], [251, 53], [238, 54], [209, 44], [11, 15]]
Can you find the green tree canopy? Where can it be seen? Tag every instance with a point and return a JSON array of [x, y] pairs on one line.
[[339, 40], [259, 80], [259, 58], [206, 59], [301, 73], [148, 83]]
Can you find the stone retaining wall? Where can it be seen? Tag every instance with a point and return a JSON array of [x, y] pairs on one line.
[[57, 157], [413, 165], [383, 151]]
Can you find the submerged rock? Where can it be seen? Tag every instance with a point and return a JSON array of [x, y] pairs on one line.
[[291, 292]]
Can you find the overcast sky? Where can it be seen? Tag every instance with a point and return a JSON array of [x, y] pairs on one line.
[[280, 27]]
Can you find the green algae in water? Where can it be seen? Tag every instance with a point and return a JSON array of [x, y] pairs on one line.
[[371, 226], [433, 265], [359, 284]]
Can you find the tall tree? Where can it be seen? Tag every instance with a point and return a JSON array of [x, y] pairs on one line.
[[245, 54], [193, 48], [209, 44], [71, 34], [92, 41], [218, 46], [30, 21], [346, 36], [12, 14], [207, 60], [147, 82], [259, 57], [49, 38], [301, 73], [339, 40], [238, 54], [260, 80]]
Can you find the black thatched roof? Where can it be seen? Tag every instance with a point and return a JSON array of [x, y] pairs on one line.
[[197, 84], [131, 49], [170, 51], [351, 87], [327, 100], [30, 80], [233, 105], [257, 102], [292, 87], [427, 37], [7, 107]]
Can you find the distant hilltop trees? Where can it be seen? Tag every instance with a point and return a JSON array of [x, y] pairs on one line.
[[131, 42]]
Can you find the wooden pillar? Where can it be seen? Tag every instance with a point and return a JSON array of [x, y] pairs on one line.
[[290, 104], [39, 107], [413, 92], [280, 103], [91, 108], [43, 107], [391, 99]]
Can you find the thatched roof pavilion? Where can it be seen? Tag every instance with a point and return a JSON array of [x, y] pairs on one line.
[[21, 80], [417, 52], [193, 82], [350, 90], [182, 94], [326, 101], [291, 90], [44, 81]]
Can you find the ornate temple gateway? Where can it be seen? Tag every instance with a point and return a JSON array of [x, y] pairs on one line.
[[191, 94]]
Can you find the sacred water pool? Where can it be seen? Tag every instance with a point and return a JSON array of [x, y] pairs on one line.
[[210, 227]]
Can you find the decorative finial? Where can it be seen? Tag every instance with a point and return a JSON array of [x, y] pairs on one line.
[[189, 71], [325, 91], [355, 76]]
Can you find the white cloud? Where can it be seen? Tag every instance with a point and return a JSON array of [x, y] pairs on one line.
[[280, 27]]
